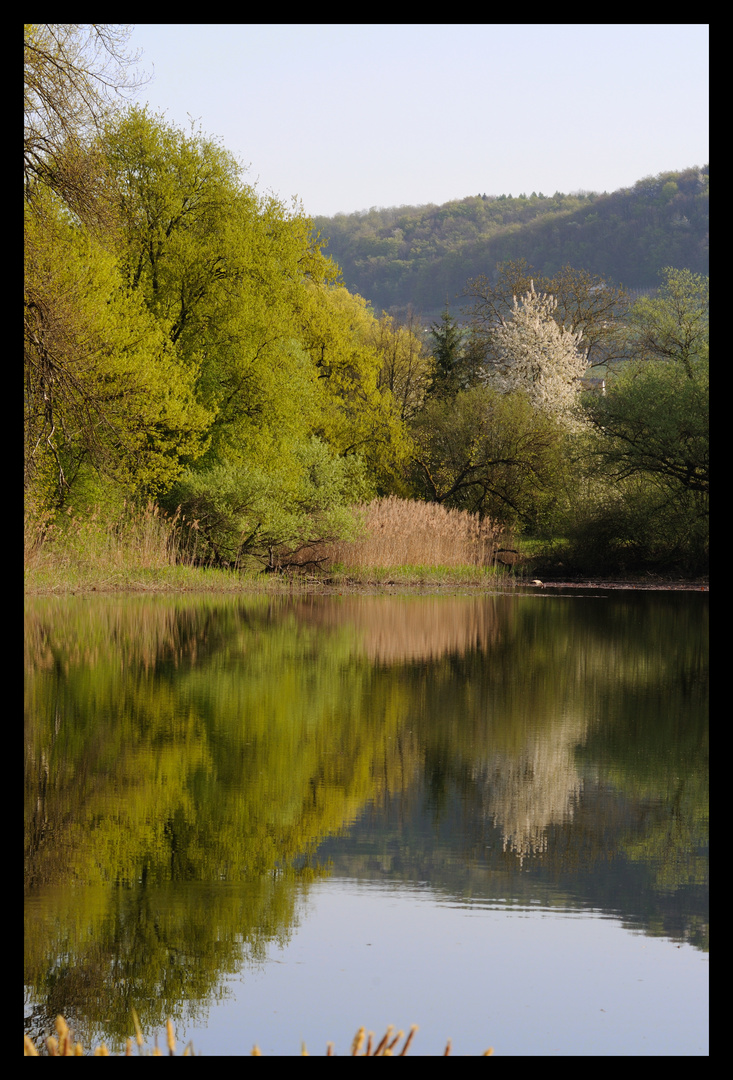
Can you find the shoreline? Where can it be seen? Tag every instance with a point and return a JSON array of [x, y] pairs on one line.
[[393, 584]]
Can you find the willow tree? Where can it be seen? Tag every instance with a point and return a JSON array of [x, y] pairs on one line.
[[74, 75], [282, 355], [105, 392]]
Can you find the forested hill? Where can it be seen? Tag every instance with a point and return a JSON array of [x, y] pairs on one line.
[[423, 255]]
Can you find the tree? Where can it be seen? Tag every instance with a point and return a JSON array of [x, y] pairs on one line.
[[406, 363], [675, 324], [232, 277], [358, 412], [448, 356], [236, 510], [490, 453], [591, 305], [283, 353], [104, 388], [246, 293], [492, 301], [650, 431], [653, 419], [71, 74], [586, 303], [537, 356]]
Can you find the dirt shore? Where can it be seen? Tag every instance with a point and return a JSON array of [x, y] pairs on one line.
[[656, 586], [343, 587]]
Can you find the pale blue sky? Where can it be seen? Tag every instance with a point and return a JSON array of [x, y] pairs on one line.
[[351, 116]]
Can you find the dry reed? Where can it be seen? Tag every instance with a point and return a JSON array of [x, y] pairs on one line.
[[131, 547], [404, 532], [108, 547], [139, 538], [62, 1045]]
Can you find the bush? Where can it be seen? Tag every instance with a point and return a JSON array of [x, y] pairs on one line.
[[235, 512], [636, 526]]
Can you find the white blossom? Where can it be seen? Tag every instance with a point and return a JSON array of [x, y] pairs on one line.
[[537, 355]]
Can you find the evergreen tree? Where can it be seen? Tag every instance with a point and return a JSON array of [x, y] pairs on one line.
[[448, 356]]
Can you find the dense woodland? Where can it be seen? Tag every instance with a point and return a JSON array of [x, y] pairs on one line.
[[189, 343], [421, 256]]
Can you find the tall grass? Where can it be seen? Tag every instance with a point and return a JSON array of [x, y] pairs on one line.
[[142, 547], [403, 532], [126, 548], [143, 538]]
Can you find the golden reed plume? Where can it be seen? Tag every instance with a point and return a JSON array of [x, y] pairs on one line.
[[61, 1044]]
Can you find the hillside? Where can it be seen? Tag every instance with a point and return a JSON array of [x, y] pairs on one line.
[[423, 255]]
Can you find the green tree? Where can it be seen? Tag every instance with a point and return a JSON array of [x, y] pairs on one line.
[[654, 420], [238, 510], [447, 348], [406, 362], [675, 324], [490, 453], [654, 417], [245, 292], [72, 76], [650, 433], [104, 389], [104, 393], [358, 411], [283, 354]]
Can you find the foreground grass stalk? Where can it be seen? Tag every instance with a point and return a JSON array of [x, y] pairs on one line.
[[61, 1045]]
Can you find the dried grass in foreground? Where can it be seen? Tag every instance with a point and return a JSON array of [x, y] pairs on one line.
[[62, 1044]]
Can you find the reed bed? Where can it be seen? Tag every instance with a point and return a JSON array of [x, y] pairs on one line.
[[62, 1044], [404, 532], [141, 537], [130, 548], [143, 547]]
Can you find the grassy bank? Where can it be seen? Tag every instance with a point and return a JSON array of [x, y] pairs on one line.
[[402, 543]]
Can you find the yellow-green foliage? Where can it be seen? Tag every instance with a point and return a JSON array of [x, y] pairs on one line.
[[62, 1044]]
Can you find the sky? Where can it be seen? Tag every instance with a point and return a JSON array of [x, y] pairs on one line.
[[347, 117]]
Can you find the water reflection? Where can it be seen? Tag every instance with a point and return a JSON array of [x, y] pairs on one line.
[[191, 766]]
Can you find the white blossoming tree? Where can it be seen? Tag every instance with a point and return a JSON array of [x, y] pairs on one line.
[[535, 354]]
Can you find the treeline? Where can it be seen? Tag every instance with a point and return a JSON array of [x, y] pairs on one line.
[[188, 342], [186, 339], [420, 256]]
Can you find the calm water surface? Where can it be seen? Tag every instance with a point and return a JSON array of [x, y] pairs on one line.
[[279, 819]]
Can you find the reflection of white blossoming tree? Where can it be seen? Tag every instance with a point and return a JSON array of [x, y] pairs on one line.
[[536, 355]]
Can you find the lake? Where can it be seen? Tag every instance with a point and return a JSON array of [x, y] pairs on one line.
[[276, 819]]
